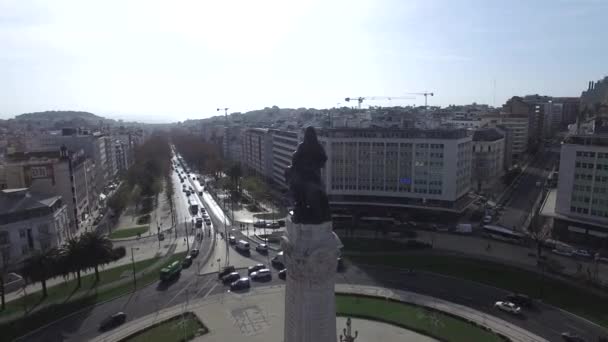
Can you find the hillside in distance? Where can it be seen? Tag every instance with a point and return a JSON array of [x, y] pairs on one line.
[[58, 115]]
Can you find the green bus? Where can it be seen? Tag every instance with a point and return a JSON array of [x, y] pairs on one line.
[[171, 271]]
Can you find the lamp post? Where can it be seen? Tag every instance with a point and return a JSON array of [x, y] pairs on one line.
[[133, 265], [348, 336]]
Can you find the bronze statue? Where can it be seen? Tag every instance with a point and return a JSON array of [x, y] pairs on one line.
[[304, 178]]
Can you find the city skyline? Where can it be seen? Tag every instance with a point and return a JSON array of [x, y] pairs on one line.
[[161, 62]]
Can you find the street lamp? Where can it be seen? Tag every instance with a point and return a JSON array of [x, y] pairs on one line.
[[133, 265]]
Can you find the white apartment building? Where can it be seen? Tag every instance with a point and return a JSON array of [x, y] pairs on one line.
[[256, 151], [517, 124], [29, 221], [284, 144], [60, 173], [396, 169], [582, 192], [488, 157]]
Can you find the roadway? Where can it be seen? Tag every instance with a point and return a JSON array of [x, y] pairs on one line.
[[520, 199]]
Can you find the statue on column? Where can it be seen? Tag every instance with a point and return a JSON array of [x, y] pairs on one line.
[[303, 176]]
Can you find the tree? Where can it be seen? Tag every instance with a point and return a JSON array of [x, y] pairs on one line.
[[74, 256], [169, 192], [98, 250], [235, 173], [40, 267]]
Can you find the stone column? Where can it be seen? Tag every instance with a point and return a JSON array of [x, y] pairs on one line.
[[311, 253]]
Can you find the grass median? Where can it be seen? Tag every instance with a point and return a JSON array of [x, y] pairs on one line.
[[422, 320], [175, 329], [128, 232], [554, 292], [59, 308]]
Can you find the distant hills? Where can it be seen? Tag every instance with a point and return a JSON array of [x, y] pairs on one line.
[[58, 115]]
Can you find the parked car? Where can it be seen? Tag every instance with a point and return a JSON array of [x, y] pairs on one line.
[[232, 239], [508, 307], [240, 284], [226, 270], [274, 225], [581, 253], [264, 273], [113, 321], [572, 337], [487, 219], [520, 299], [281, 223], [231, 277], [194, 253], [562, 252], [255, 268], [259, 224], [187, 261], [262, 248], [283, 274]]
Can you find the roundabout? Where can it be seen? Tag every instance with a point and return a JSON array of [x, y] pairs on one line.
[[257, 315]]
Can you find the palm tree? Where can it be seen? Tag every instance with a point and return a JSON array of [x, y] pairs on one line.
[[74, 257], [97, 250], [41, 266]]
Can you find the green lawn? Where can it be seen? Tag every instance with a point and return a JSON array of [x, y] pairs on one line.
[[129, 232], [32, 321], [428, 322], [63, 291], [171, 330], [560, 294]]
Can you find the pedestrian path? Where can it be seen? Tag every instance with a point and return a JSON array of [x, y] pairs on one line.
[[257, 316]]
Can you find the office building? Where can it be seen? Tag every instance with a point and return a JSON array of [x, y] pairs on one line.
[[284, 143], [579, 206], [392, 169], [30, 221], [256, 152], [488, 157], [517, 124]]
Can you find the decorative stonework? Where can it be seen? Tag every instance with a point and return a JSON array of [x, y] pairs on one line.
[[310, 253]]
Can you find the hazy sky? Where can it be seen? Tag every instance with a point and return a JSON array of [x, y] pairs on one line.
[[172, 60]]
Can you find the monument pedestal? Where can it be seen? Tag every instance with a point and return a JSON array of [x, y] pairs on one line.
[[311, 257]]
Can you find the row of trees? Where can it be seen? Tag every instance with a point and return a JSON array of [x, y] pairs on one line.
[[79, 254], [202, 156], [145, 177]]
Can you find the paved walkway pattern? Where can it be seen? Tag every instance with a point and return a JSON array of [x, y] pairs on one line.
[[257, 316]]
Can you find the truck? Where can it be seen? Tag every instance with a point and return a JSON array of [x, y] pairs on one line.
[[170, 271]]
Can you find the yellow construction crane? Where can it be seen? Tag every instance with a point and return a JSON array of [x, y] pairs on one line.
[[374, 98]]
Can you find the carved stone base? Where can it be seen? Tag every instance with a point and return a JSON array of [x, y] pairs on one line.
[[311, 253]]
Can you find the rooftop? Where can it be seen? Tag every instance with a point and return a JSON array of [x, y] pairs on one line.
[[21, 200], [487, 134]]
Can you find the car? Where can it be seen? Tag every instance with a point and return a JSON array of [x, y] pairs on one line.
[[187, 261], [281, 223], [276, 262], [161, 236], [562, 252], [283, 274], [264, 273], [572, 337], [255, 268], [240, 284], [226, 270], [230, 277], [232, 239], [113, 321], [487, 219], [508, 307], [581, 253], [194, 253], [262, 248], [259, 224], [274, 225], [208, 223], [520, 299]]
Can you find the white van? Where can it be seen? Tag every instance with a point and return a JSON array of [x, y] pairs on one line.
[[242, 246]]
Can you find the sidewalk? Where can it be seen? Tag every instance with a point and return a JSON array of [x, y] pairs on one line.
[[258, 316]]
